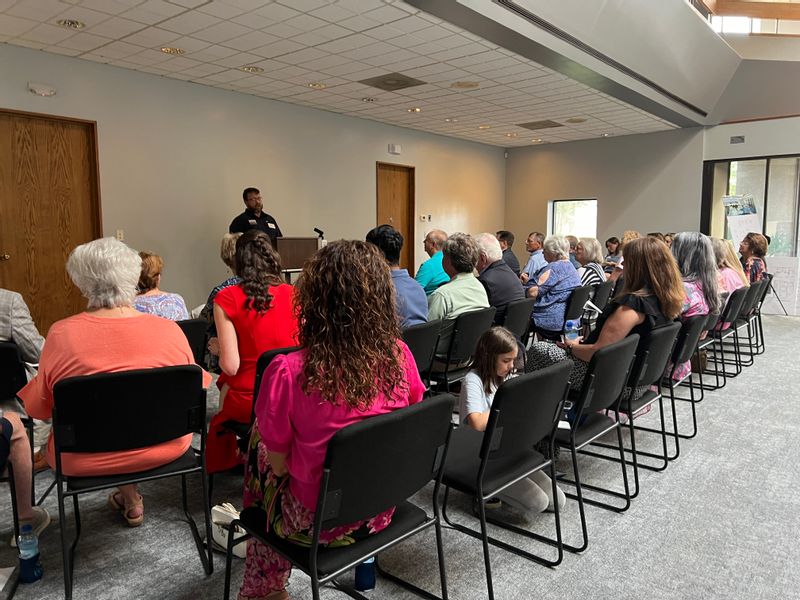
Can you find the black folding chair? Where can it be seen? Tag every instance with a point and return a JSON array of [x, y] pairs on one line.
[[724, 331], [748, 320], [518, 317], [90, 415], [369, 467], [601, 391], [422, 340], [467, 328], [767, 279], [573, 311], [602, 294], [652, 355], [195, 331], [525, 411]]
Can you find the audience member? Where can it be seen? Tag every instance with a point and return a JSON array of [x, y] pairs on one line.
[[110, 336], [152, 300], [431, 274], [506, 239], [253, 217], [753, 249], [590, 255], [668, 237], [16, 450], [573, 245], [695, 257], [536, 262], [731, 274], [658, 235], [652, 296], [252, 317], [495, 356], [553, 288], [412, 304], [227, 252], [352, 367], [463, 293], [501, 285], [614, 255], [16, 325], [627, 236]]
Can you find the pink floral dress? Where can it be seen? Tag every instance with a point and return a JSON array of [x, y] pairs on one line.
[[694, 305]]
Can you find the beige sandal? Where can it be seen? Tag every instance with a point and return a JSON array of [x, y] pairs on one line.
[[126, 509]]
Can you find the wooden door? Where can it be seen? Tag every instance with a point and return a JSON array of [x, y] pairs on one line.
[[49, 203], [395, 185]]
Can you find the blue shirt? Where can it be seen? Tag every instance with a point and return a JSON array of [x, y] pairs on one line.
[[535, 264], [412, 303], [431, 273], [551, 302]]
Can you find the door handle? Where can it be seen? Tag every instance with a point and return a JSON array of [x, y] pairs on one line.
[[5, 257]]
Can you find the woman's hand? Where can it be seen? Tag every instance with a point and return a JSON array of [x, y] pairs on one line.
[[570, 343], [523, 277], [213, 346]]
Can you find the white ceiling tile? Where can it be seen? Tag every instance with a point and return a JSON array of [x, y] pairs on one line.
[[253, 21], [30, 44], [279, 48], [333, 13], [386, 14], [189, 3], [358, 23], [360, 6], [116, 27], [143, 16], [222, 32], [384, 32], [85, 15], [213, 53], [247, 5], [152, 37], [225, 76], [117, 50], [48, 34], [332, 32], [251, 40], [63, 51], [190, 44], [311, 38], [111, 7], [159, 7], [84, 42], [240, 59], [305, 5], [277, 12], [282, 30], [203, 70], [190, 22], [221, 10], [357, 40], [306, 22], [148, 57], [14, 26], [38, 10]]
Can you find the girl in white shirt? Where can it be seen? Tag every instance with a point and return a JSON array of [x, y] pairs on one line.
[[495, 357]]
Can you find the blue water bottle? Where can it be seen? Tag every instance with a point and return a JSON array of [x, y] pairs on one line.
[[30, 564], [365, 575], [572, 329]]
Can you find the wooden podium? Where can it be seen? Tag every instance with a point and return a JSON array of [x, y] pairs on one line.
[[295, 251]]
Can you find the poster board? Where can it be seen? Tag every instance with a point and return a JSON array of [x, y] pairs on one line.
[[742, 216]]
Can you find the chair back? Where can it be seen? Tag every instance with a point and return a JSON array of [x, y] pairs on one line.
[[688, 338], [422, 340], [525, 410], [518, 316], [577, 300], [602, 294], [195, 331], [767, 279], [382, 461], [467, 330], [711, 322], [750, 299], [12, 371], [606, 375], [734, 306], [652, 355], [97, 413]]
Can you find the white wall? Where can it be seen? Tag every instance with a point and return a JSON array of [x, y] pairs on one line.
[[646, 182], [174, 157], [762, 138]]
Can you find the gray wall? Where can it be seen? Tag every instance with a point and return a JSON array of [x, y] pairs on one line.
[[645, 182]]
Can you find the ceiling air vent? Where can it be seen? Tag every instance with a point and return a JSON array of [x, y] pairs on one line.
[[535, 125], [391, 82]]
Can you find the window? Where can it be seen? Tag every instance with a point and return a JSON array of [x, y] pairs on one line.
[[573, 217]]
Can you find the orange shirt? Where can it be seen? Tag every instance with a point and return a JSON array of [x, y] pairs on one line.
[[85, 344]]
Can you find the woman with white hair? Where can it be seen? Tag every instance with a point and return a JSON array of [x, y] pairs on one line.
[[589, 253], [109, 336], [553, 288]]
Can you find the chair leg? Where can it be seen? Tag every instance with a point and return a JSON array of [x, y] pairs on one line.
[[14, 508], [579, 498], [206, 559], [67, 550], [485, 543]]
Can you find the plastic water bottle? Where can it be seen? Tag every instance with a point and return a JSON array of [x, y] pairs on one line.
[[30, 565], [365, 575], [572, 329]]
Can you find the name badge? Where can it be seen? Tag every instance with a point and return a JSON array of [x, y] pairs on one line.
[[253, 222], [271, 225]]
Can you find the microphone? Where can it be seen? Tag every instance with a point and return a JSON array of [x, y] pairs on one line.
[[319, 232]]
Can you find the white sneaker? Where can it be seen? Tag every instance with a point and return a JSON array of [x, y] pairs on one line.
[[39, 522]]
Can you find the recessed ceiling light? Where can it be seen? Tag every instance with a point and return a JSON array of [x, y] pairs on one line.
[[368, 99], [451, 120], [415, 109], [537, 140], [71, 23], [316, 85], [576, 120], [606, 135], [484, 126], [511, 135], [464, 85], [175, 51], [252, 69]]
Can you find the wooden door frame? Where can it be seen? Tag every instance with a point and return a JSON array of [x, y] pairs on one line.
[[412, 209], [97, 211]]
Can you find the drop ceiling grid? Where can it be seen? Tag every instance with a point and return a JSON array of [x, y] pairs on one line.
[[338, 43]]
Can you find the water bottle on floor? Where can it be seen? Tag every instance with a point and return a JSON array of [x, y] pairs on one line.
[[365, 575], [30, 564]]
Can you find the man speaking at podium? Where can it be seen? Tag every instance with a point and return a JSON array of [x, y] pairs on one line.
[[254, 218]]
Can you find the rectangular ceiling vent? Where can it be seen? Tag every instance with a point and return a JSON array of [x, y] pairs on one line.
[[534, 125], [391, 82]]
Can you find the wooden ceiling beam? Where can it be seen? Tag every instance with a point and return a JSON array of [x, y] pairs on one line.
[[754, 10]]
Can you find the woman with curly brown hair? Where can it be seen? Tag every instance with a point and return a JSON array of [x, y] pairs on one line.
[[251, 318], [352, 366]]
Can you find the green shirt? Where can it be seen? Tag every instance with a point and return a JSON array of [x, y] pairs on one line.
[[462, 294], [431, 274]]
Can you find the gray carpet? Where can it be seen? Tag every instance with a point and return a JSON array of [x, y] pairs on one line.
[[720, 522]]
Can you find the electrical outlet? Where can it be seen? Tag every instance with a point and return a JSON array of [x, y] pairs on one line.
[[120, 235]]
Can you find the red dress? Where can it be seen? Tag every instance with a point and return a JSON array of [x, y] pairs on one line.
[[256, 333]]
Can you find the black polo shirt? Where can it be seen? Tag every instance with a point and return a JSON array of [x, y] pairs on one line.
[[248, 220]]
